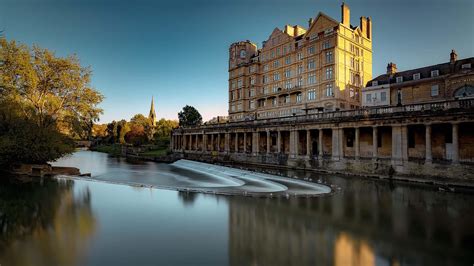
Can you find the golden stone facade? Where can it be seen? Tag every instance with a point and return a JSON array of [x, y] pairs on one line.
[[297, 71]]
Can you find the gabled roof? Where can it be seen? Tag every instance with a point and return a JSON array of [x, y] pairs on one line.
[[320, 14]]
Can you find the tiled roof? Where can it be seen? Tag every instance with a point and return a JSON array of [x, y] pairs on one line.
[[425, 72]]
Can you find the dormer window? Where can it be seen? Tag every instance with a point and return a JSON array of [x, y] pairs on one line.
[[243, 54], [375, 83], [416, 76], [400, 79], [434, 73]]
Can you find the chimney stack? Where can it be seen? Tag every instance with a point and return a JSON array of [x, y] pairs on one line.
[[310, 22], [391, 69], [345, 15], [363, 26], [453, 57]]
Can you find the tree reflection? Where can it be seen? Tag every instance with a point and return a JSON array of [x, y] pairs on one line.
[[47, 224]]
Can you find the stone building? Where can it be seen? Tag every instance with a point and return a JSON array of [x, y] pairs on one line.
[[300, 70], [447, 81], [429, 131]]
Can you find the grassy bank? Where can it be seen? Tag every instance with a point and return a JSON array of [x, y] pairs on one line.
[[158, 152], [113, 149]]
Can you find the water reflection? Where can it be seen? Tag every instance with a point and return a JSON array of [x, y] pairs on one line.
[[48, 224], [368, 223]]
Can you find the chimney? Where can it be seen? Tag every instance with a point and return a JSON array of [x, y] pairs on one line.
[[345, 15], [453, 57], [369, 28], [391, 69], [310, 22], [363, 26]]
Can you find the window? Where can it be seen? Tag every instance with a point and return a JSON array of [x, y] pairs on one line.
[[352, 63], [252, 104], [252, 81], [252, 92], [232, 95], [300, 56], [233, 84], [299, 97], [416, 76], [274, 101], [284, 49], [466, 66], [300, 81], [265, 90], [325, 44], [434, 73], [311, 50], [329, 91], [312, 94], [288, 60], [287, 99], [434, 90], [265, 79], [239, 107], [300, 69], [368, 97], [329, 57], [399, 79], [276, 63], [276, 76], [272, 54], [287, 73], [311, 64], [278, 51], [288, 84], [375, 83], [239, 83], [275, 88], [383, 96], [243, 54], [265, 68], [329, 73], [240, 94], [232, 108], [312, 78]]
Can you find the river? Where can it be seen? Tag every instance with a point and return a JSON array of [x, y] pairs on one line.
[[91, 221]]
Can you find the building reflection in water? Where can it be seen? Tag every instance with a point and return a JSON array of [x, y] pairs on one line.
[[367, 223], [44, 225]]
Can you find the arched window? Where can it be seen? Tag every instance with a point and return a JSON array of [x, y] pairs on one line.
[[464, 92], [243, 54]]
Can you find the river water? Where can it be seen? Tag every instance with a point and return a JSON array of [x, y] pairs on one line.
[[95, 222]]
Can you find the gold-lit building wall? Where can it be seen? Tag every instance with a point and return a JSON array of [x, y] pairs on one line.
[[322, 68]]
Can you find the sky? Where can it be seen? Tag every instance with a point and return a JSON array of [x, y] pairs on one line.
[[177, 51]]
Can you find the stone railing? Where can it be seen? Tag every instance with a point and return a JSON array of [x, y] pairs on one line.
[[463, 104]]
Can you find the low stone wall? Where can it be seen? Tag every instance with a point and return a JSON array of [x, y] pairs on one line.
[[432, 173]]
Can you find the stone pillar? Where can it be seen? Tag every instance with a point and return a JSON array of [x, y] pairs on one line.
[[375, 144], [204, 142], [268, 141], [357, 143], [236, 143], [245, 142], [428, 154], [308, 143], [218, 142], [279, 142], [227, 143], [255, 146], [293, 148], [320, 143], [196, 144], [399, 144], [184, 142], [212, 142], [336, 142], [455, 158]]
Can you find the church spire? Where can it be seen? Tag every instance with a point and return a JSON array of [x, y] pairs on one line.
[[152, 115]]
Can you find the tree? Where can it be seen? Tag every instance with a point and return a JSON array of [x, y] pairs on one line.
[[143, 121], [137, 135], [44, 101], [189, 116]]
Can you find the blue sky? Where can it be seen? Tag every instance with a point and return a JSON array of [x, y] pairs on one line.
[[178, 50]]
